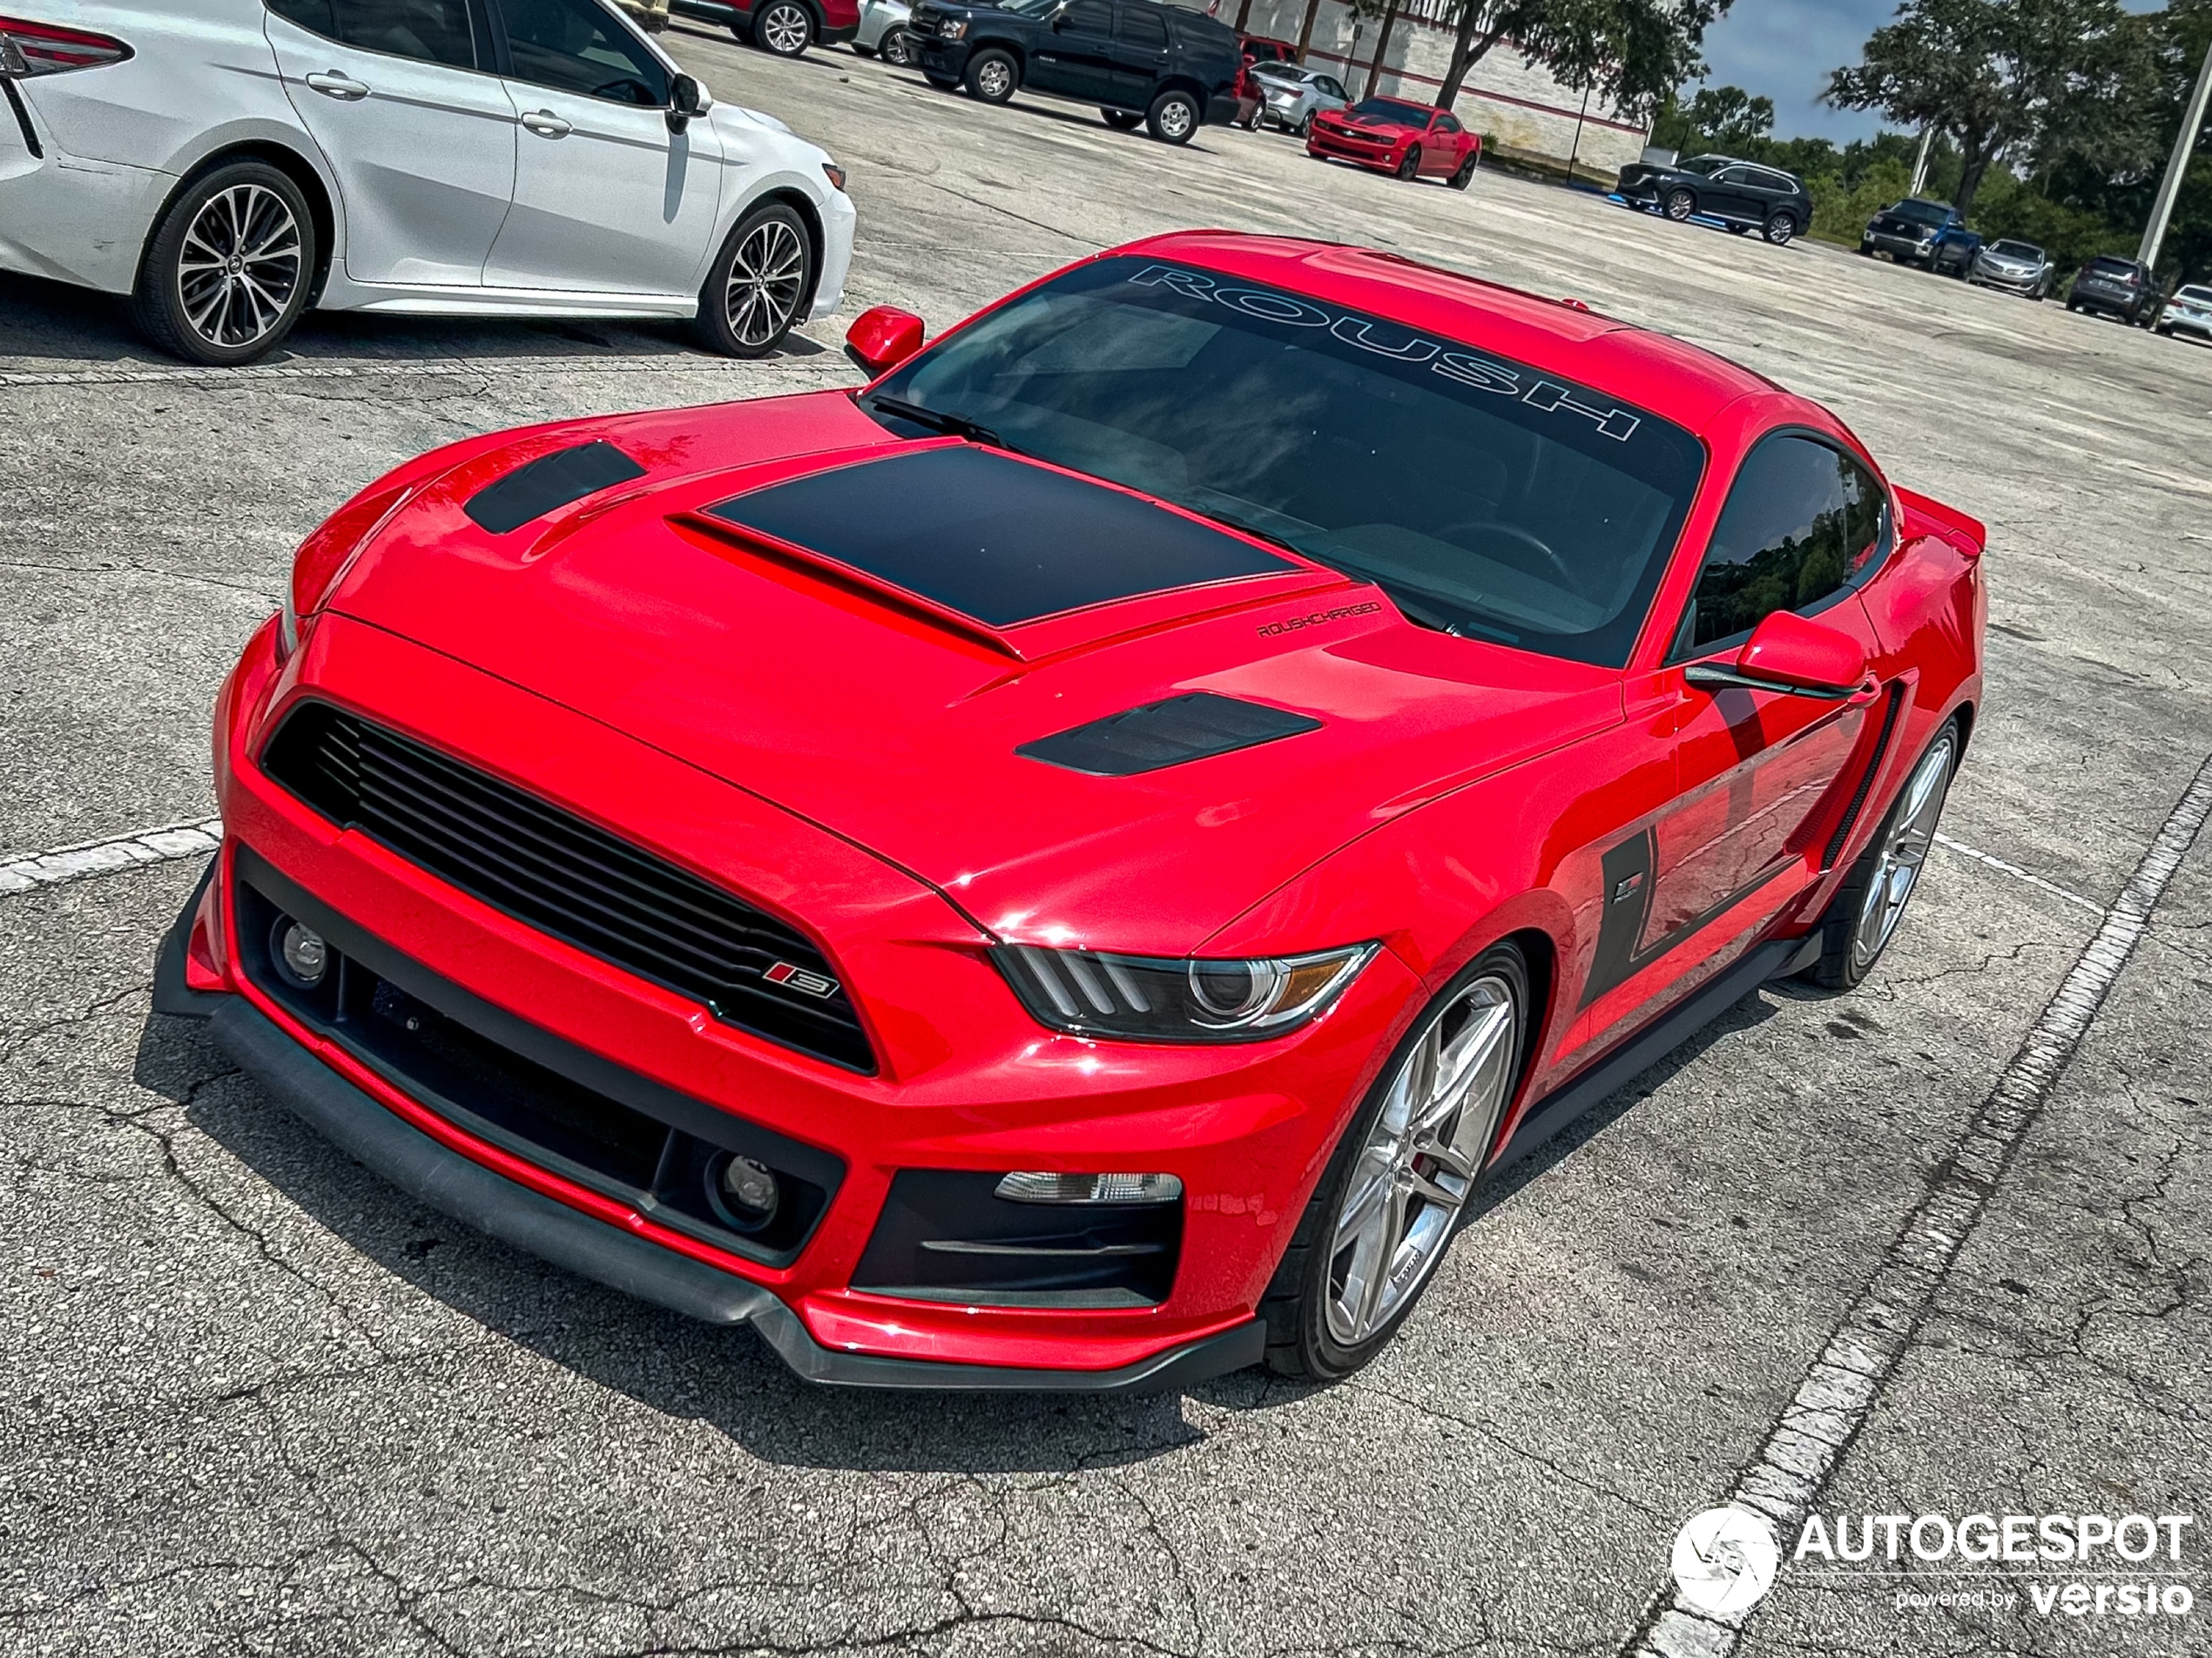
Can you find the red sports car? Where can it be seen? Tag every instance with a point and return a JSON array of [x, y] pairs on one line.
[[1065, 866], [1390, 135]]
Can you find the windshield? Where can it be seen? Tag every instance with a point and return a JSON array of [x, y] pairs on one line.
[[1389, 109], [1704, 163], [2118, 267], [1280, 71], [1920, 213], [2195, 295], [1485, 497], [2017, 249]]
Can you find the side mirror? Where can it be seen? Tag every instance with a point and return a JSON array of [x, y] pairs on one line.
[[882, 338], [687, 99], [1787, 653]]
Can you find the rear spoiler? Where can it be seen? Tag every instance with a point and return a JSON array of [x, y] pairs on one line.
[[1969, 534]]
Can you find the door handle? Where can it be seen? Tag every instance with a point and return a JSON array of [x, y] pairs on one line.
[[547, 125], [331, 83]]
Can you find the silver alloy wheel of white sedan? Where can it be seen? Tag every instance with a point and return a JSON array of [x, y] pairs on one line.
[[767, 278], [240, 266], [1423, 1154], [1903, 851]]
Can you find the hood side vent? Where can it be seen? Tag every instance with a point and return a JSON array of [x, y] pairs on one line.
[[550, 481], [1159, 735]]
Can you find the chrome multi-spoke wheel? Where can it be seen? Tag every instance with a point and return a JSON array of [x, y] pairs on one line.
[[758, 283], [1419, 1158], [240, 266], [785, 29], [1902, 850]]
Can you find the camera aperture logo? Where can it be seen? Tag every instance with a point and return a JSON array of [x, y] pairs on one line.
[[1725, 1560]]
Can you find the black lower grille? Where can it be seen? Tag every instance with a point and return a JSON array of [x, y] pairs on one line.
[[568, 877], [524, 1089]]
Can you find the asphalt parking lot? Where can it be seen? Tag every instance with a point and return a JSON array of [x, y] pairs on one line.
[[252, 1401]]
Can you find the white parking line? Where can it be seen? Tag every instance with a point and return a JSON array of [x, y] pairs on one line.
[[2016, 873], [1786, 1477], [66, 863]]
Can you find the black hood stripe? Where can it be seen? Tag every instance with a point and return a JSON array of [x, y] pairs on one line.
[[550, 481], [1159, 735]]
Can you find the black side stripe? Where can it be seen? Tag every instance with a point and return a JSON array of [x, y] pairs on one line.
[[1628, 899], [23, 119], [1891, 709]]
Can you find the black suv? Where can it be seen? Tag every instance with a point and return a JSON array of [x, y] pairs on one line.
[[2110, 285], [1742, 194], [1137, 60]]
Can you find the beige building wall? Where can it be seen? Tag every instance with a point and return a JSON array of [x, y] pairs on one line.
[[1515, 105]]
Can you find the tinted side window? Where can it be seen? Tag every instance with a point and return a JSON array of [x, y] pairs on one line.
[[1802, 522], [1446, 123], [430, 31], [1142, 27], [1330, 87], [572, 46], [1089, 17]]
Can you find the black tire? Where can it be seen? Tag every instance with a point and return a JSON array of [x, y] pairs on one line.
[[1844, 962], [1295, 1309], [1464, 177], [1174, 116], [1780, 228], [754, 270], [1410, 168], [1123, 120], [896, 48], [783, 28], [942, 81], [992, 76], [1304, 130], [1681, 203], [238, 310]]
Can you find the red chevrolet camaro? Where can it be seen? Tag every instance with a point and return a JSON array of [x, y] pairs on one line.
[[1390, 135], [1065, 866]]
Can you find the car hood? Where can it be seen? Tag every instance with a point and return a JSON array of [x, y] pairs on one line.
[[779, 647], [1374, 126]]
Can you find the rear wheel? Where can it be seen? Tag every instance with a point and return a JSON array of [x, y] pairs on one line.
[[1378, 1225], [1862, 916], [757, 283], [1780, 227], [1123, 120], [1680, 205], [783, 28], [1173, 117], [1460, 179], [992, 76], [227, 269], [1411, 167]]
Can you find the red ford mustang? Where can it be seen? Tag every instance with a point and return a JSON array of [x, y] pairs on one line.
[[1064, 867], [1413, 140]]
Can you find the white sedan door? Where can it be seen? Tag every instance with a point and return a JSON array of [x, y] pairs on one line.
[[607, 199], [422, 141]]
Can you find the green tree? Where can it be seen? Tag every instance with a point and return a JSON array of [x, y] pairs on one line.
[[1716, 117]]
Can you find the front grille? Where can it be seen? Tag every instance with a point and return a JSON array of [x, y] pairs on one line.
[[565, 877]]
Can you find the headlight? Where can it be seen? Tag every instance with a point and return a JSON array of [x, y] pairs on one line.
[[953, 29], [1152, 999], [288, 628]]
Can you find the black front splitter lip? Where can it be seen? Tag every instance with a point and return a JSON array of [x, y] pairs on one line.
[[454, 1185]]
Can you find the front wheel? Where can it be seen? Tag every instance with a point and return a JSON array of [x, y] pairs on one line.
[[229, 267], [1410, 168], [1173, 117], [783, 28], [1780, 227], [1378, 1225], [895, 48], [1123, 120], [991, 75], [1862, 916], [1304, 130], [757, 283], [1680, 205]]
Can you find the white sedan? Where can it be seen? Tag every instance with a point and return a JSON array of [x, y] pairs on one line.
[[229, 164]]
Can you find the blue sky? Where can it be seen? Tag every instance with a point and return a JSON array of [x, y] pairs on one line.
[[1785, 48]]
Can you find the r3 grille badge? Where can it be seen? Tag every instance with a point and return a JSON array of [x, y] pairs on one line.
[[798, 979]]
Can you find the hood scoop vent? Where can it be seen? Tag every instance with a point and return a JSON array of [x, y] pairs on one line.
[[550, 481], [988, 538], [1159, 735]]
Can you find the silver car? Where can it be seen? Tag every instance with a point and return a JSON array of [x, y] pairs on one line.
[[1291, 96], [2017, 268], [883, 32], [2189, 312]]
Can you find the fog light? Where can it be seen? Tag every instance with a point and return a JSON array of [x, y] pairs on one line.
[[1035, 1187], [305, 954], [746, 1192]]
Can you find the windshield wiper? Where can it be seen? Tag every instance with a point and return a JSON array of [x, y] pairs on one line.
[[938, 421]]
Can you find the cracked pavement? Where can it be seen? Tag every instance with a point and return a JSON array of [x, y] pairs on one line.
[[253, 1401]]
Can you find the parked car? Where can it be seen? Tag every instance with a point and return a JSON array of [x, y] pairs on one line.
[[1953, 250], [1122, 953], [1907, 231], [1391, 135], [353, 156], [1138, 60], [1291, 96], [786, 28], [1253, 51], [1742, 194], [2109, 286], [2016, 267], [2189, 312], [883, 32]]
